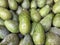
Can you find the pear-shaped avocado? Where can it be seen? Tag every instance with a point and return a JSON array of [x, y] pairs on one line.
[[12, 26], [38, 35], [11, 39], [47, 21], [5, 13], [52, 39], [12, 4], [45, 10], [24, 22], [35, 16], [56, 20]]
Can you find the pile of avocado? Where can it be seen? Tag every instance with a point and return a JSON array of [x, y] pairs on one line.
[[29, 22]]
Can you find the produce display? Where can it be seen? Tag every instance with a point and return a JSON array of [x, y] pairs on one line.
[[29, 22]]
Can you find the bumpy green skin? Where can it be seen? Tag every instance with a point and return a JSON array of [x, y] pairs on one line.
[[41, 3], [24, 22], [12, 26], [5, 14], [55, 30], [3, 32], [52, 39], [38, 35], [19, 1], [26, 4], [33, 28], [1, 22], [26, 41], [11, 39], [4, 3], [14, 16], [19, 10], [56, 7], [45, 10], [33, 4], [35, 16], [49, 2], [12, 4], [56, 1], [47, 21], [56, 20]]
